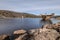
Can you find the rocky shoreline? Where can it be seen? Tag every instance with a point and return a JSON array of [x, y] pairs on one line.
[[47, 32]]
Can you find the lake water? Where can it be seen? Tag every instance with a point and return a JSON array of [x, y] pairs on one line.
[[7, 26]]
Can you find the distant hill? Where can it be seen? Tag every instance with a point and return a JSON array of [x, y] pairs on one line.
[[12, 14], [57, 17]]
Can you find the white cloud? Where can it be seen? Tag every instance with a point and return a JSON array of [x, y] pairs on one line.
[[30, 5]]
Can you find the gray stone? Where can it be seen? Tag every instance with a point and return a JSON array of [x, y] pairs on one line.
[[4, 37], [44, 34]]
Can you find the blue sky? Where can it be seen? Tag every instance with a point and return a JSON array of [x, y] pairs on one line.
[[31, 6]]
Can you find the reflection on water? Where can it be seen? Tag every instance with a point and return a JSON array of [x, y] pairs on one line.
[[10, 25], [43, 22]]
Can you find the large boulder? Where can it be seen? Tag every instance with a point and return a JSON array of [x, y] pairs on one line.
[[53, 26], [20, 37], [19, 34], [43, 34], [4, 37]]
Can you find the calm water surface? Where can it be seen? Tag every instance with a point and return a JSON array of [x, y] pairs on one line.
[[7, 26]]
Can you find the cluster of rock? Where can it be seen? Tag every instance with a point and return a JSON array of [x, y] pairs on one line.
[[47, 32]]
